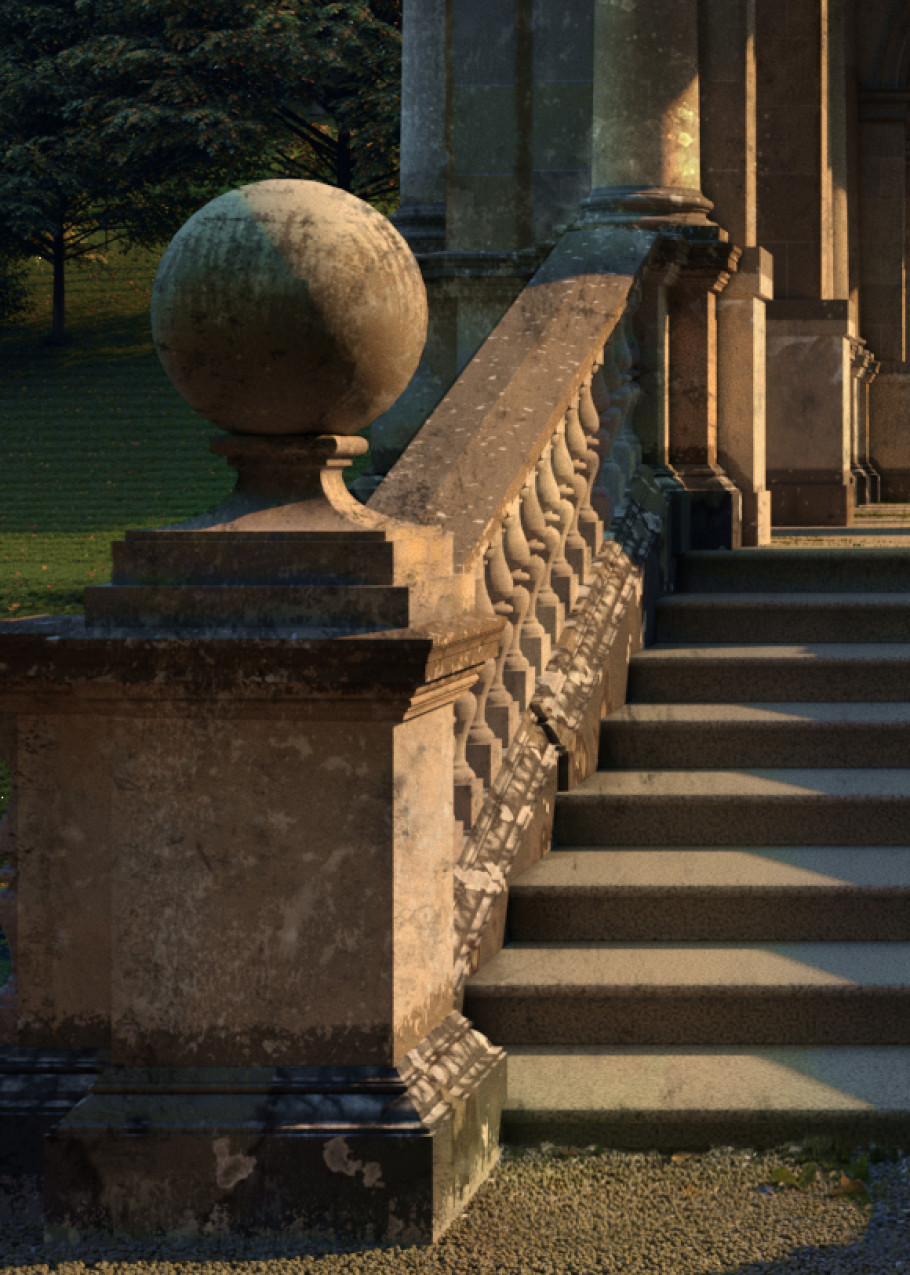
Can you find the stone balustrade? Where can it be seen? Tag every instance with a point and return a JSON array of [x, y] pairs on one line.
[[528, 481]]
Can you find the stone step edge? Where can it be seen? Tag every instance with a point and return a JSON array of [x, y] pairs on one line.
[[707, 1096]]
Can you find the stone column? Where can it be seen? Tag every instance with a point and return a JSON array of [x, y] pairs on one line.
[[645, 140], [789, 86], [422, 215], [490, 125], [883, 296], [802, 219], [883, 240]]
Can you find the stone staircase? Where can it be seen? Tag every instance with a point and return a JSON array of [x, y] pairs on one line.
[[717, 952]]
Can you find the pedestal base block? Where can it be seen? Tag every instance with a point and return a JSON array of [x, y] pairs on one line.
[[37, 1088], [800, 499], [715, 507], [367, 1154]]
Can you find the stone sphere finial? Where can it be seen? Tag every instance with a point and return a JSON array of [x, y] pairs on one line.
[[289, 307]]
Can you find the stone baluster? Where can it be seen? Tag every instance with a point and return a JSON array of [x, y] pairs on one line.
[[551, 610], [590, 524], [577, 447], [468, 787], [517, 672], [626, 448], [527, 572], [571, 488], [560, 513], [607, 491], [502, 709], [543, 542], [8, 908], [483, 750]]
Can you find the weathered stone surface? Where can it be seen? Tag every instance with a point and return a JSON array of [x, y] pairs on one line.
[[367, 1153], [289, 307]]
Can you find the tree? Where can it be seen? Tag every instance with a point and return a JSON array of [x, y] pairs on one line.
[[116, 114], [13, 288], [346, 132]]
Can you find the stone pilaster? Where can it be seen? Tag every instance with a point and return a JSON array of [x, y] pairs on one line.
[[716, 502], [741, 377]]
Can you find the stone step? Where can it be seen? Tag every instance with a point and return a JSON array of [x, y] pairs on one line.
[[668, 736], [800, 571], [875, 672], [664, 894], [706, 807], [638, 1099], [693, 994], [784, 617]]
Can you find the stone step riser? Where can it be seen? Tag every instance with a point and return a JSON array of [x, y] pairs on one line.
[[805, 571], [676, 1015], [729, 745], [600, 820], [741, 622], [669, 1131], [743, 681], [547, 914]]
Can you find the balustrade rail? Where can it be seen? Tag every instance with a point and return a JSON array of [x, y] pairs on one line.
[[528, 461], [545, 511]]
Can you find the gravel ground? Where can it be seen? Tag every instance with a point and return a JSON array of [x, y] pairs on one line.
[[566, 1210]]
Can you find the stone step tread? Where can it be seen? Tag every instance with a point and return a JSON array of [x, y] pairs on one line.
[[842, 868], [773, 652], [787, 783], [781, 598], [592, 968], [761, 714], [635, 1081]]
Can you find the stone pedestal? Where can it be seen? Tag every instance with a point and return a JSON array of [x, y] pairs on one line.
[[234, 784], [889, 435], [809, 421], [741, 339]]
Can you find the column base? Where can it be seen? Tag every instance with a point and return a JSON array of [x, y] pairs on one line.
[[645, 207], [37, 1088], [803, 498], [365, 1154], [715, 507]]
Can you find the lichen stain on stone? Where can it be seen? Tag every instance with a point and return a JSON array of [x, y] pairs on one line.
[[337, 1156], [230, 1169]]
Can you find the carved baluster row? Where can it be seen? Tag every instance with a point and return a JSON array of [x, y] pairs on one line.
[[541, 558]]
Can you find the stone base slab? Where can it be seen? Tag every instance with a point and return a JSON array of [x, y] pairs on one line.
[[37, 1088], [369, 1154], [716, 507], [802, 499], [895, 487]]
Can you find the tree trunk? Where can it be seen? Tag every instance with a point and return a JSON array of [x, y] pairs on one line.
[[58, 331], [344, 171]]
